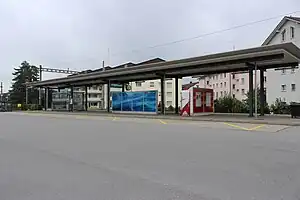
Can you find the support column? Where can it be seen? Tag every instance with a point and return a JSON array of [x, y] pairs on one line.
[[162, 95], [46, 98], [123, 87], [262, 93], [176, 95], [108, 96], [72, 99], [86, 98], [251, 92]]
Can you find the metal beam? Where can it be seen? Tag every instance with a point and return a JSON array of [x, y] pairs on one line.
[[250, 98], [176, 95], [60, 71], [162, 95], [262, 93]]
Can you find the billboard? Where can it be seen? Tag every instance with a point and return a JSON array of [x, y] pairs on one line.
[[144, 101]]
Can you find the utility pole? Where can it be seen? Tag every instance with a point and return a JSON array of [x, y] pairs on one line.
[[255, 89], [1, 91], [40, 89]]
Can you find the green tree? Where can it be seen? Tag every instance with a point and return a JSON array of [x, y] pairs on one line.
[[24, 73], [247, 102]]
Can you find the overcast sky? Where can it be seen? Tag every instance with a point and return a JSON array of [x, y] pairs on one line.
[[77, 34]]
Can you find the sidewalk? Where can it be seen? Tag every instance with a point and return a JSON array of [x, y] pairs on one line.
[[217, 117]]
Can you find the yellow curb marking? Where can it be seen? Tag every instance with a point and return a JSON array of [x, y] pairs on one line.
[[236, 126], [243, 128], [115, 118], [161, 121], [257, 127]]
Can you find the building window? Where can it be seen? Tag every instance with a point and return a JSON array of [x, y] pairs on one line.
[[292, 31], [233, 95], [237, 90], [224, 84], [207, 82], [233, 86], [283, 71], [217, 96], [169, 85], [283, 87], [221, 85], [283, 35], [221, 94], [169, 94], [243, 81], [224, 75], [138, 84], [243, 91], [217, 85], [233, 76], [214, 86], [293, 86], [265, 78], [237, 80], [151, 84], [216, 77]]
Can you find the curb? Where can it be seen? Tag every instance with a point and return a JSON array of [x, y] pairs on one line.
[[252, 121]]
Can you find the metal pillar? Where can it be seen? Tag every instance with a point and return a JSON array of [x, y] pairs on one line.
[[108, 96], [46, 98], [176, 95], [86, 98], [40, 89], [162, 95], [262, 93], [251, 92], [123, 87], [72, 99]]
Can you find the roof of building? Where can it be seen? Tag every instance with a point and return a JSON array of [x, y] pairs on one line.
[[188, 85], [265, 57], [279, 26], [128, 64]]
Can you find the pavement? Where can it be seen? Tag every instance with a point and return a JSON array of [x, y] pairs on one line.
[[215, 117], [72, 157]]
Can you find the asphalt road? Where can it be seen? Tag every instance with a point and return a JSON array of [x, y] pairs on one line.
[[74, 158]]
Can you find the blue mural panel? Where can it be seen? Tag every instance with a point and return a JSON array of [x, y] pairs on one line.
[[126, 101], [135, 101], [116, 101], [150, 101]]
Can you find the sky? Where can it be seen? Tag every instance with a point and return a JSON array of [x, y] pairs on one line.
[[79, 34]]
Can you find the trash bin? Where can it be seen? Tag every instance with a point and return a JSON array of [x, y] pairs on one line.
[[295, 110]]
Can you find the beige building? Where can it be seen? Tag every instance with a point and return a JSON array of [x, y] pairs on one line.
[[233, 84]]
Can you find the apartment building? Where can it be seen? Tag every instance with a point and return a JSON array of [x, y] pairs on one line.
[[280, 83], [285, 82], [233, 84]]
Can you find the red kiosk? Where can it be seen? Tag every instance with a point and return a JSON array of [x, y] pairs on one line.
[[197, 101]]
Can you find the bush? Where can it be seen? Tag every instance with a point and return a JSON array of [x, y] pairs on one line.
[[170, 108], [229, 104], [32, 107], [280, 107]]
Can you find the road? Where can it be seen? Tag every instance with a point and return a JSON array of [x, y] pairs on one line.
[[79, 157]]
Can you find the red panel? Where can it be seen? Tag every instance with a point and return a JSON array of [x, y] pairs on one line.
[[203, 108]]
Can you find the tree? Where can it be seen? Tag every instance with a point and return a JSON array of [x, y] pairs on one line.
[[247, 102], [24, 73]]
